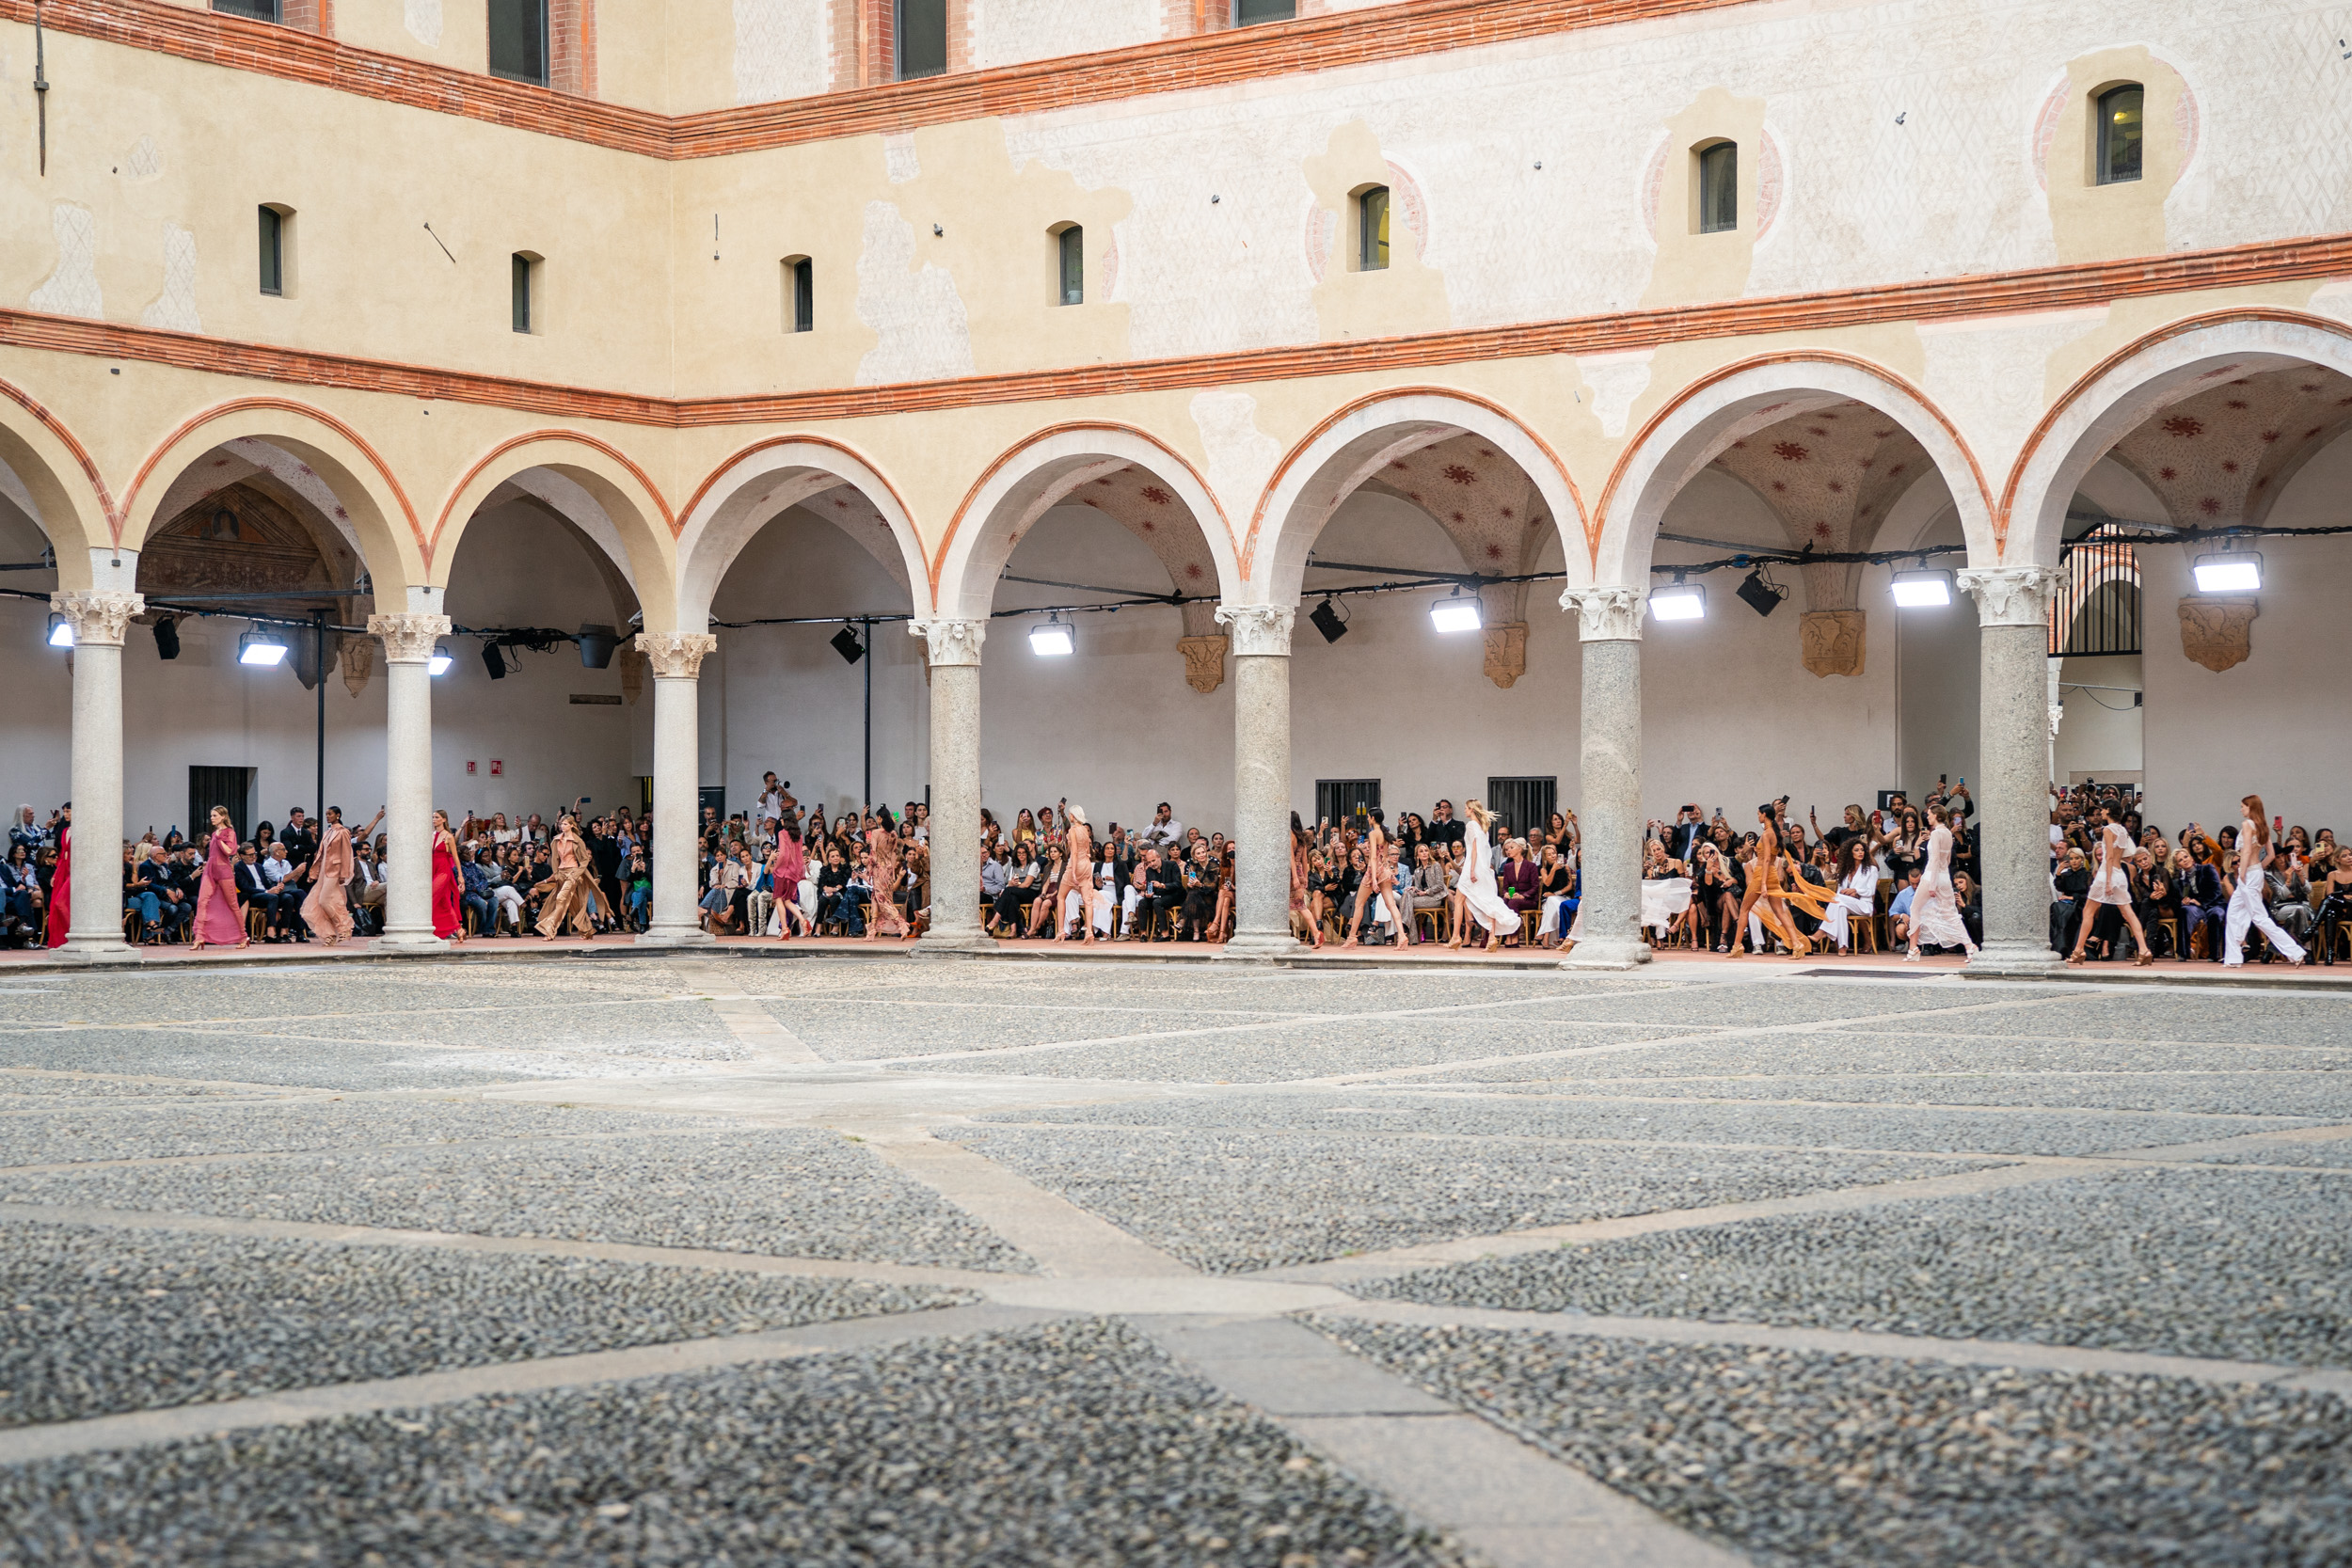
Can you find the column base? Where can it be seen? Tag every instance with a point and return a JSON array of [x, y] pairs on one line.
[[1607, 952], [938, 944], [107, 949], [410, 942], [2015, 960], [1262, 947], [674, 936]]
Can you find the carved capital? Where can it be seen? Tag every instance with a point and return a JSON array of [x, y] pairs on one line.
[[1506, 652], [1258, 628], [99, 619], [676, 655], [951, 641], [2012, 596], [1831, 640], [1607, 614], [408, 639], [1204, 662], [2218, 633]]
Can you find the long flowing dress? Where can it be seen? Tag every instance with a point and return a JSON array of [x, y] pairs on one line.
[[787, 868], [61, 889], [216, 921], [1936, 906], [449, 912], [326, 911], [571, 888], [1479, 890], [881, 850]]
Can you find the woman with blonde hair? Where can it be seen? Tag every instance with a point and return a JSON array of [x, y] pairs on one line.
[[1477, 898], [1077, 877]]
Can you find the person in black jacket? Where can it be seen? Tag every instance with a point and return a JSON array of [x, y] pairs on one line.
[[1163, 892], [2066, 911]]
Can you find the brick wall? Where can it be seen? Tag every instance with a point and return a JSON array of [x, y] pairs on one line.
[[571, 46], [1181, 19], [310, 16]]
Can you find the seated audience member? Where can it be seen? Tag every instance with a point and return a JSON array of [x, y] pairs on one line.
[[1011, 910], [21, 899], [474, 880], [1163, 892], [254, 891], [1898, 907]]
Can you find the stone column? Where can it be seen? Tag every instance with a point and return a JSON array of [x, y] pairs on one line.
[[408, 643], [955, 666], [99, 619], [1609, 819], [1261, 647], [2013, 607], [677, 660]]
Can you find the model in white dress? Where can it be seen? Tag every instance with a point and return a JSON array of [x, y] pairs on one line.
[[1480, 894], [2111, 883], [1935, 905], [2247, 906]]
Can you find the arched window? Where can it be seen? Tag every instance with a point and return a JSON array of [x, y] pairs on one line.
[[921, 38], [1069, 249], [2119, 133], [1371, 229], [1719, 187], [799, 295]]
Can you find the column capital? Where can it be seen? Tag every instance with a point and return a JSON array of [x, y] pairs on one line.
[[676, 655], [1607, 614], [99, 618], [1258, 628], [2012, 596], [951, 641], [408, 639]]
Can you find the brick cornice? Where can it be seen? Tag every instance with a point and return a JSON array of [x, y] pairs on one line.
[[1173, 65], [2024, 293]]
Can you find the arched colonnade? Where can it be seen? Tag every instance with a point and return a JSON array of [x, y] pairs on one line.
[[1257, 547]]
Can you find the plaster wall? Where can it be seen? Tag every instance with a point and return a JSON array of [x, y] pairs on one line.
[[1006, 32], [2101, 733]]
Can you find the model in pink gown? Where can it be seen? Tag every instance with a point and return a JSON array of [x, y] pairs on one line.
[[216, 921]]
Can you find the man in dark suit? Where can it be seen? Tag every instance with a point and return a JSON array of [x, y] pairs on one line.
[[1164, 891], [1442, 829], [253, 888], [1682, 842], [300, 839]]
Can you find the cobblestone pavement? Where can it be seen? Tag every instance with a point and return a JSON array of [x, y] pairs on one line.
[[719, 1258]]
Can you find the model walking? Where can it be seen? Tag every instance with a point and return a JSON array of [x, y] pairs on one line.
[[1303, 923], [1379, 879], [2111, 885], [449, 908], [1077, 876], [216, 921], [2247, 906], [1763, 898], [60, 916], [1936, 906], [326, 910], [1478, 897], [884, 873], [571, 885]]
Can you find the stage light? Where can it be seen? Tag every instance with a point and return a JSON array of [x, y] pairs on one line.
[[1328, 620], [440, 661], [494, 662], [597, 644], [1762, 594], [1923, 589], [2229, 572], [1052, 639], [1455, 613], [260, 647], [167, 638], [60, 631], [1678, 601], [845, 642]]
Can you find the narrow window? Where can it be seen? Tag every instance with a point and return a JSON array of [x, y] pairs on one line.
[[259, 10], [518, 41], [922, 38], [1071, 243], [524, 268], [1371, 229], [799, 295], [273, 250], [1719, 188], [2120, 124], [1248, 12]]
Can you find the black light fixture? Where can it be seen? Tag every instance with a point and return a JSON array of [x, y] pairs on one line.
[[597, 644], [494, 662], [1328, 621], [167, 637], [1761, 593], [845, 642]]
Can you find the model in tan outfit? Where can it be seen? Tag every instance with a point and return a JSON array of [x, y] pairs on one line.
[[572, 891], [326, 911]]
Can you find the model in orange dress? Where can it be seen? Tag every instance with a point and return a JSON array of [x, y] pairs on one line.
[[884, 873], [571, 885], [1764, 898], [1302, 916], [1077, 874]]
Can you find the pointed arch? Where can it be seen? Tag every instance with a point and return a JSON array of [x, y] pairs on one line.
[[1355, 442], [1037, 475], [2129, 387], [1702, 420], [753, 487], [599, 489]]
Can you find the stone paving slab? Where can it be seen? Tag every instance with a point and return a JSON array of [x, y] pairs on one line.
[[1811, 1461], [97, 1320], [2177, 1015], [780, 1192], [1314, 1048], [1076, 1443], [1229, 1202], [257, 995], [2242, 1265], [222, 1056], [868, 1030]]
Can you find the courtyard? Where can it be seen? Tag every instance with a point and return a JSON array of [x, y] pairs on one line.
[[710, 1259]]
